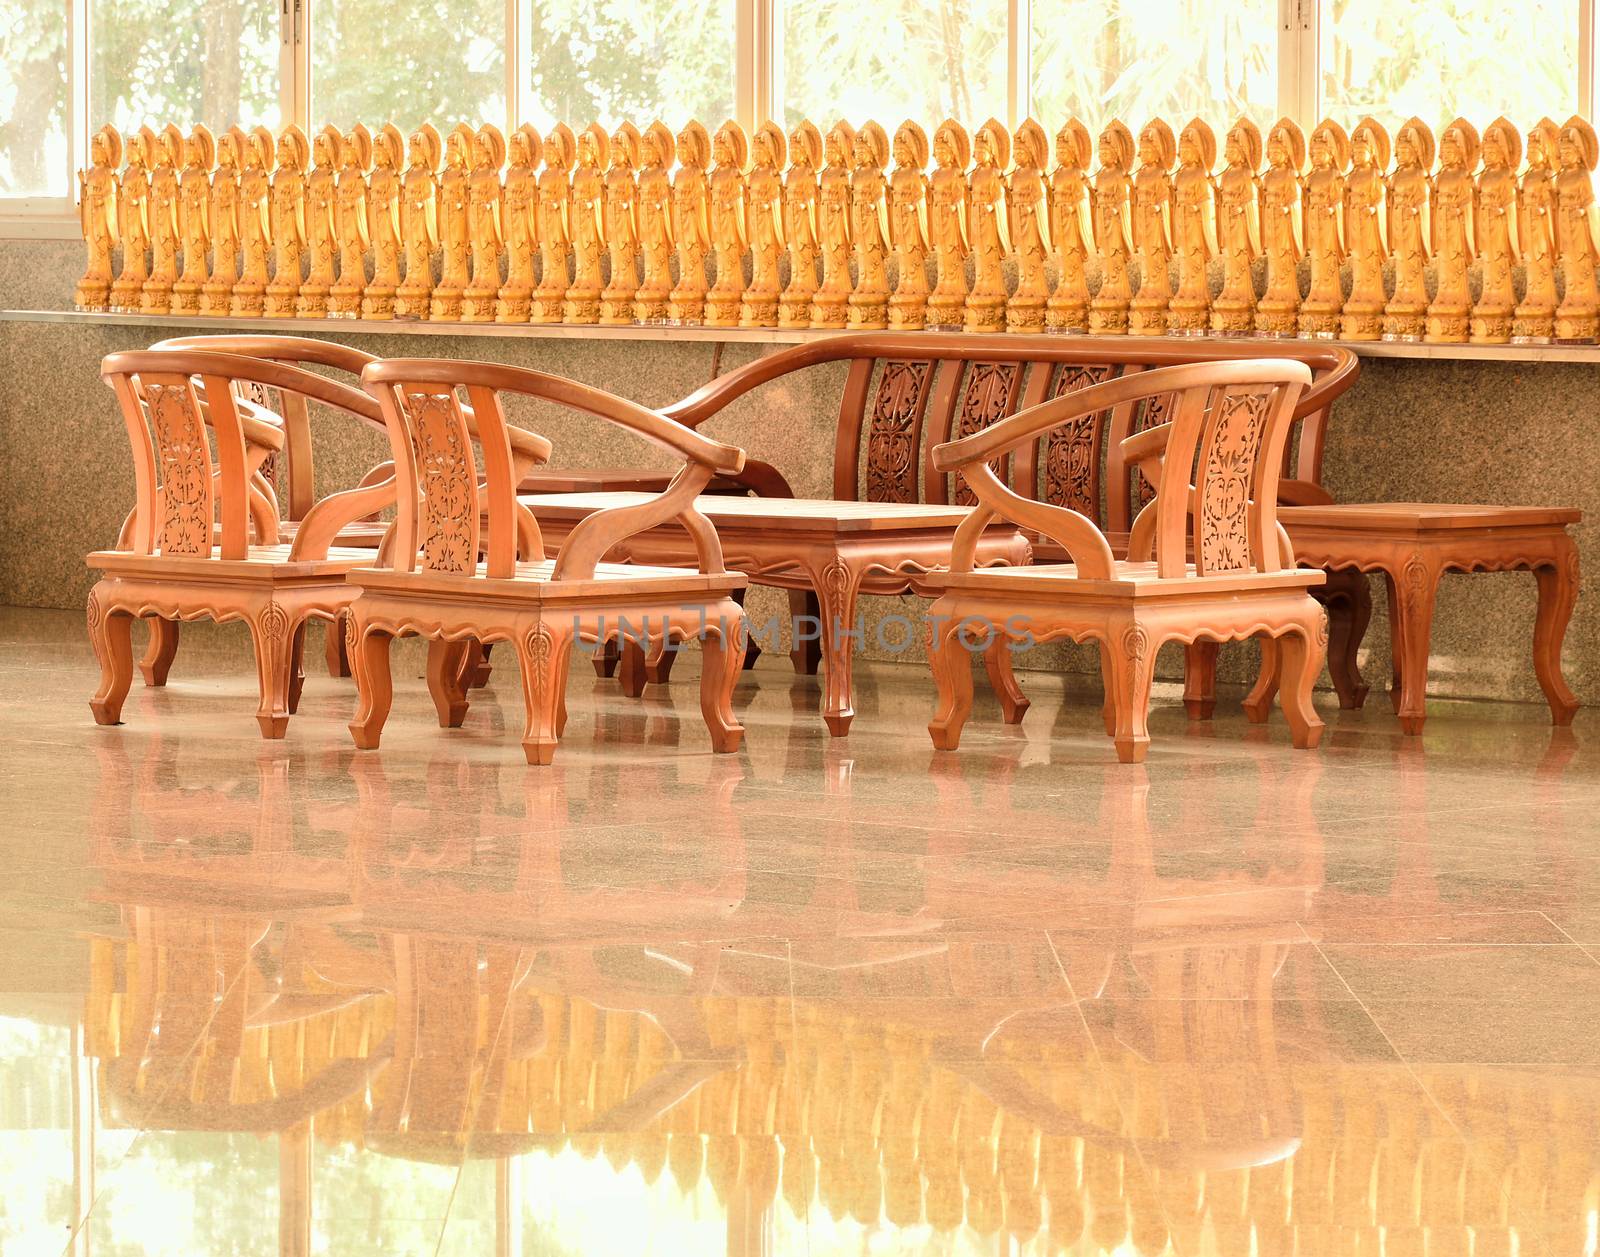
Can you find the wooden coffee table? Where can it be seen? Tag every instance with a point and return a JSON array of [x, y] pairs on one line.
[[835, 550]]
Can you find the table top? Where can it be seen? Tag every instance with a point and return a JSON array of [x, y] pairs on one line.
[[772, 514], [1425, 516]]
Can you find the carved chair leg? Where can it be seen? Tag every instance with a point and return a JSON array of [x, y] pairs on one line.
[[951, 662], [1391, 586], [1131, 656], [1003, 680], [1258, 702], [1302, 652], [1200, 678], [1558, 592], [1349, 601], [542, 656], [725, 649], [606, 656], [369, 660], [1415, 634], [1108, 706], [752, 650], [837, 586], [475, 668], [632, 673], [111, 635], [804, 616], [658, 667], [445, 660], [272, 634], [333, 647], [297, 667], [160, 652]]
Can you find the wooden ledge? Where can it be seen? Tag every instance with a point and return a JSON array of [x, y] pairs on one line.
[[730, 335]]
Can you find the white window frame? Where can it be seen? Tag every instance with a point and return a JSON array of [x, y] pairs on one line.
[[758, 80]]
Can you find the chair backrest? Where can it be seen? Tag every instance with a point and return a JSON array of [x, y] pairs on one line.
[[1228, 421], [297, 471], [906, 393], [181, 490], [443, 495]]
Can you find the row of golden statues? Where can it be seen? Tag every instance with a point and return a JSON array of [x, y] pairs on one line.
[[803, 230]]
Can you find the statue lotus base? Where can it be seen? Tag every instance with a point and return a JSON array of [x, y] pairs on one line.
[[377, 304], [616, 307], [1361, 323], [1109, 319], [1319, 323], [1533, 327], [794, 311], [1490, 327], [186, 298], [1235, 319], [513, 307], [1188, 320], [1577, 327], [828, 311], [1404, 323], [548, 307], [690, 310], [248, 303], [1066, 316], [1446, 328], [722, 309], [760, 312], [985, 314], [650, 309], [280, 301], [125, 294], [869, 311], [1025, 314]]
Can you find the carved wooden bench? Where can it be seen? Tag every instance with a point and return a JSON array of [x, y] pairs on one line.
[[904, 394]]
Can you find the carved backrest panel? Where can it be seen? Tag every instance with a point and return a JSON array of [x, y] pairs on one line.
[[990, 396], [183, 457], [1154, 412], [1229, 448], [447, 475], [1072, 451], [894, 431]]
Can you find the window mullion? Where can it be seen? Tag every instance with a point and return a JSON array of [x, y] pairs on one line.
[[79, 124], [301, 18], [1586, 55], [1019, 61], [1298, 67]]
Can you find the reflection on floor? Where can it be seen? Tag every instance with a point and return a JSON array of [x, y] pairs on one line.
[[823, 997]]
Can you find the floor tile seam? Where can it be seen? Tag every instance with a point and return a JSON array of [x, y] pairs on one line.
[[1583, 947], [1378, 1026]]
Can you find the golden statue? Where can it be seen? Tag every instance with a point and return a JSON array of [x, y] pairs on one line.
[[655, 226], [1535, 318], [97, 216], [133, 222], [869, 228], [947, 224], [419, 222], [1363, 231], [833, 229], [455, 226], [1278, 311], [484, 226], [1450, 217], [354, 232], [165, 236], [383, 223], [1407, 203], [586, 222], [255, 226], [321, 235], [800, 231], [1238, 229], [1494, 233], [555, 228], [1577, 222], [217, 291], [730, 153], [1027, 221], [621, 225], [691, 224], [194, 218], [1068, 307], [1194, 229], [288, 223], [1324, 207], [763, 211], [908, 226], [1109, 198], [1152, 229], [519, 217]]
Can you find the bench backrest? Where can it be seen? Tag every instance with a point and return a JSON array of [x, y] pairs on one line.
[[905, 393]]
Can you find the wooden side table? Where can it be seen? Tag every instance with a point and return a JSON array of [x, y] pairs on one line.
[[1413, 544]]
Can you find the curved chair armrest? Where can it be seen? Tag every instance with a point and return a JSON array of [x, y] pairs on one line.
[[331, 516], [649, 424], [292, 349], [595, 535], [764, 480], [1303, 493], [709, 399], [1074, 533]]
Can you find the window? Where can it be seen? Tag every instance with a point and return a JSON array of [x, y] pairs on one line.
[[183, 61], [33, 99], [1473, 58], [614, 60], [921, 59], [1136, 59], [438, 61]]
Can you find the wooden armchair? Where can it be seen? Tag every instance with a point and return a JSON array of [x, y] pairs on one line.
[[189, 553], [450, 510], [1228, 419]]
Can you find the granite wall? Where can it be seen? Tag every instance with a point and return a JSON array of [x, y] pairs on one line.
[[1409, 430]]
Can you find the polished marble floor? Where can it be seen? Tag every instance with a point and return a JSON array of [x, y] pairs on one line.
[[821, 997]]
